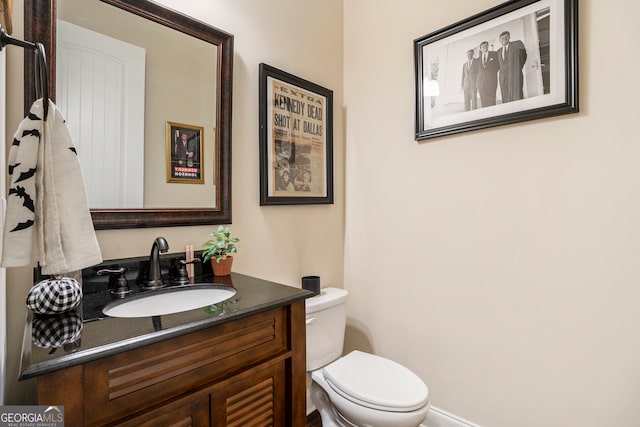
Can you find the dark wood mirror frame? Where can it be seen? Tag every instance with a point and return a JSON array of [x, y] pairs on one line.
[[40, 26]]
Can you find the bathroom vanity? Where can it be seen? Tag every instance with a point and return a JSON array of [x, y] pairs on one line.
[[236, 363]]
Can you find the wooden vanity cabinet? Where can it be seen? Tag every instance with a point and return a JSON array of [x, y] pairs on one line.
[[246, 372]]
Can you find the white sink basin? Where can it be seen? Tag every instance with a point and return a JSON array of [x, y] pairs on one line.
[[169, 300]]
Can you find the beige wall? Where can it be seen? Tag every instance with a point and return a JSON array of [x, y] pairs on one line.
[[501, 265], [277, 243]]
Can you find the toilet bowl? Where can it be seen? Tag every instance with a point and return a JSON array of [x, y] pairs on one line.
[[359, 389], [368, 390]]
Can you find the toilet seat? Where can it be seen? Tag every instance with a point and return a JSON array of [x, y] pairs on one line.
[[377, 383]]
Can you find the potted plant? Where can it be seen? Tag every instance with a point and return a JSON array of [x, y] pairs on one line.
[[218, 249]]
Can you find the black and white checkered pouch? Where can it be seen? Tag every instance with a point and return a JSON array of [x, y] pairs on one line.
[[54, 296], [53, 331]]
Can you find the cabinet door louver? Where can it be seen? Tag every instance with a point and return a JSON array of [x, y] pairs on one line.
[[251, 399], [252, 407]]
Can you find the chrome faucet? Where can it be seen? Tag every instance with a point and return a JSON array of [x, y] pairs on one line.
[[154, 280]]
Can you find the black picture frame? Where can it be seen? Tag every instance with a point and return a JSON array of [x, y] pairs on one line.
[[545, 84], [296, 140]]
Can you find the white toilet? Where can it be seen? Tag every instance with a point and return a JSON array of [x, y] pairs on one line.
[[359, 389]]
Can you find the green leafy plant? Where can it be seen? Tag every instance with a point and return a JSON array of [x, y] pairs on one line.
[[220, 246]]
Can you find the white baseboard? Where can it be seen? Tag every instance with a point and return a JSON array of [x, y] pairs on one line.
[[439, 418], [435, 418]]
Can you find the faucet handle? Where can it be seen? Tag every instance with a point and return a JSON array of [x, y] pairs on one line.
[[104, 271], [183, 276], [122, 285]]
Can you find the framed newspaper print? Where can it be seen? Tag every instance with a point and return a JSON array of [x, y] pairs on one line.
[[185, 151], [517, 61], [296, 140]]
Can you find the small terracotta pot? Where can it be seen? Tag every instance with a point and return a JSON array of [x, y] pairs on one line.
[[223, 268]]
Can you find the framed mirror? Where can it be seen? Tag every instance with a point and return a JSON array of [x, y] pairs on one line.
[[162, 201]]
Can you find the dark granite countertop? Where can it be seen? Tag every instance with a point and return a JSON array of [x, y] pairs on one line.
[[43, 349]]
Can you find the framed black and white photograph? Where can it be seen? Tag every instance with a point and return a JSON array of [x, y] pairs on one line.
[[517, 61], [296, 140], [185, 150]]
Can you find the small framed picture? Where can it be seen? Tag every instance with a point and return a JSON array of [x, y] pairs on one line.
[[296, 140], [185, 151]]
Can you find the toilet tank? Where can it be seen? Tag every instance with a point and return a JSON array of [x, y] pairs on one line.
[[326, 316]]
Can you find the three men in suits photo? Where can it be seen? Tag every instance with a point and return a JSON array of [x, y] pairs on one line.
[[482, 75]]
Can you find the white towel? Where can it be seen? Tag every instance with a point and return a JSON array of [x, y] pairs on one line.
[[48, 218]]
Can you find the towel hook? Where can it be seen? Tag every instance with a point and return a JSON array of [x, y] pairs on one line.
[[41, 69], [42, 78]]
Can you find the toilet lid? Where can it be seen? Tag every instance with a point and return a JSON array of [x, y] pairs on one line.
[[376, 382]]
